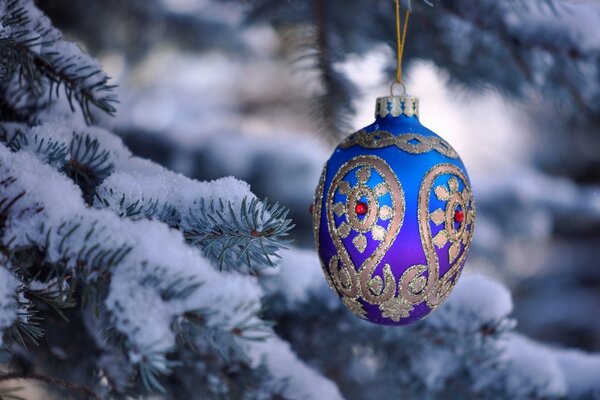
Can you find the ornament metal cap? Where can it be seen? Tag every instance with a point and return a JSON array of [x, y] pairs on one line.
[[397, 105]]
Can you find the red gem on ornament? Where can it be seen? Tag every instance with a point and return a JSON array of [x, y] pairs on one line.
[[360, 208], [459, 216], [311, 208]]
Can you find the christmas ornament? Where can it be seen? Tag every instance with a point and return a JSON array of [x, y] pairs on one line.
[[393, 214]]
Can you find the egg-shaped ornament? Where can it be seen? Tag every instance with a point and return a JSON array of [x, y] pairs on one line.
[[393, 217]]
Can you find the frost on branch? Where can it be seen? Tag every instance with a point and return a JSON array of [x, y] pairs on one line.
[[222, 217], [112, 247], [466, 349], [305, 383], [151, 299], [158, 297], [156, 294], [53, 216], [38, 65], [239, 233]]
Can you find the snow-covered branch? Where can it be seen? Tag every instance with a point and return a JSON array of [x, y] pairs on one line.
[[466, 349], [37, 64]]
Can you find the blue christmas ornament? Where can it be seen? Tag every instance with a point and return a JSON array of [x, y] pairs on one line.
[[393, 217]]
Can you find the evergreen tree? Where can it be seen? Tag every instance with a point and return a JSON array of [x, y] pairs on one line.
[[122, 279]]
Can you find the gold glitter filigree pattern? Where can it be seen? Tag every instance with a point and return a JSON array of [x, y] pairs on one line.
[[437, 287], [316, 218], [412, 143], [354, 195], [359, 284], [455, 202], [360, 242], [355, 306], [396, 308]]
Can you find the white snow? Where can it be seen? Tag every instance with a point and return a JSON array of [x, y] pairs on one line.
[[158, 255], [298, 274], [581, 371], [45, 188], [526, 368], [476, 300], [133, 177], [138, 179], [142, 313], [532, 365], [62, 133], [435, 367], [295, 379]]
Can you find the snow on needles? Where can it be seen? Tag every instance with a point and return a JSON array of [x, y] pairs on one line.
[[135, 178], [139, 179], [535, 372], [291, 376], [581, 371], [158, 256], [476, 299], [297, 275], [159, 259], [143, 276], [515, 364], [555, 372], [158, 277]]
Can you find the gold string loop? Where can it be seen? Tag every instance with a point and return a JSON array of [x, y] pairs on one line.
[[400, 41]]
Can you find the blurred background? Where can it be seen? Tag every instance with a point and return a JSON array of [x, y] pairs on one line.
[[262, 90]]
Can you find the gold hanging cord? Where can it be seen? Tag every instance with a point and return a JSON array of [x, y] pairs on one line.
[[400, 40]]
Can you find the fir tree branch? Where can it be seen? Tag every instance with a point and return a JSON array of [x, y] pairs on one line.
[[236, 236], [504, 35], [334, 106], [88, 164], [252, 238], [311, 48], [51, 152], [37, 62], [79, 83]]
